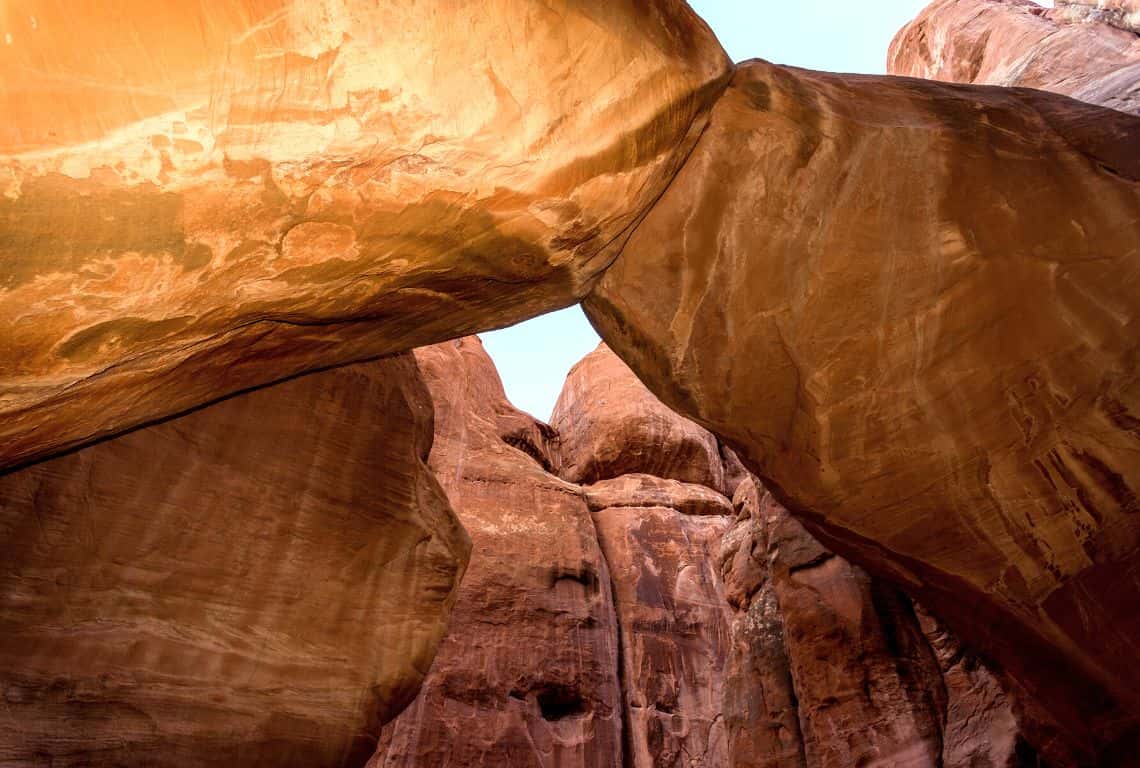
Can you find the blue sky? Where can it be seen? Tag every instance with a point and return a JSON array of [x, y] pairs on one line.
[[835, 35]]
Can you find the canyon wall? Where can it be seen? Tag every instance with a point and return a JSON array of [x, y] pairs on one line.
[[644, 619], [908, 306], [260, 582], [527, 675]]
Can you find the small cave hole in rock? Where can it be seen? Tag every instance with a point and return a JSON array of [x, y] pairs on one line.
[[558, 702]]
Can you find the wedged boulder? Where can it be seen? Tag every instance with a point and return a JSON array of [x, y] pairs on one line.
[[610, 425], [909, 307], [195, 200], [1087, 50], [528, 673], [260, 582], [638, 490]]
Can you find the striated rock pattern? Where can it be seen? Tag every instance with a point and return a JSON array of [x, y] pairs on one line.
[[838, 325], [528, 674], [1087, 50], [674, 633], [261, 582], [908, 306], [980, 727], [638, 490], [746, 643], [830, 667], [660, 514], [195, 200]]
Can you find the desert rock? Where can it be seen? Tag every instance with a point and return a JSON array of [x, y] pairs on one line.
[[838, 327], [198, 200], [611, 425], [261, 582], [528, 674], [1087, 50]]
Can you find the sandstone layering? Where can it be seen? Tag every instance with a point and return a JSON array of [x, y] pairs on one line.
[[909, 307], [1087, 50], [262, 582]]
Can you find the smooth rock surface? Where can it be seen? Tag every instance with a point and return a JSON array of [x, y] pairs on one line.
[[1086, 50], [611, 425], [260, 582], [910, 307], [528, 673], [198, 198]]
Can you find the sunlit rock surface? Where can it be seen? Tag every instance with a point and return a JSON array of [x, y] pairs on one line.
[[261, 582], [200, 198], [910, 306], [1087, 50]]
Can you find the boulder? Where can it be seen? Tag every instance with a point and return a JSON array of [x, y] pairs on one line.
[[199, 199], [908, 307]]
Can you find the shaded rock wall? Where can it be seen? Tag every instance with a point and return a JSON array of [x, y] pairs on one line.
[[656, 494], [260, 582], [675, 629], [528, 673]]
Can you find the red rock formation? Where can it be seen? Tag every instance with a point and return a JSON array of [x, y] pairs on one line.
[[659, 536], [1087, 50], [980, 727], [615, 426], [832, 668], [196, 199], [528, 674], [674, 633], [638, 490], [837, 325], [261, 582]]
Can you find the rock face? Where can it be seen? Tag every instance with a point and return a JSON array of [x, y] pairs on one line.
[[908, 306], [615, 426], [655, 496], [833, 668], [589, 629], [197, 200], [1087, 50], [261, 582], [528, 674], [837, 325]]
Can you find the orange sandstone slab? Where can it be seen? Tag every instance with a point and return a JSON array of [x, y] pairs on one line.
[[200, 198]]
